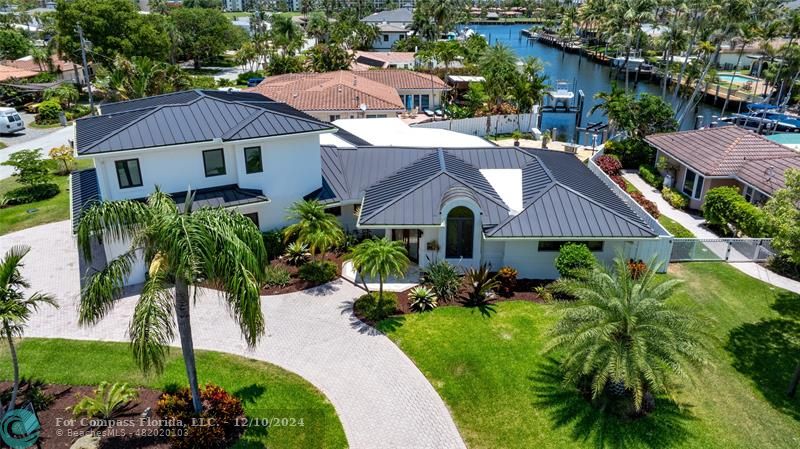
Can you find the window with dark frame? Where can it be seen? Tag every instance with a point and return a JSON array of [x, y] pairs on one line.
[[253, 217], [460, 229], [693, 184], [555, 245], [214, 162], [252, 160], [128, 173], [335, 211], [386, 38]]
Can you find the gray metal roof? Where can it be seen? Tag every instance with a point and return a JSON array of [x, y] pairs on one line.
[[222, 196], [407, 186], [403, 15], [85, 191], [189, 117]]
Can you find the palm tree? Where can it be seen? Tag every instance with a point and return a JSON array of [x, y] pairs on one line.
[[184, 248], [379, 258], [616, 106], [623, 335], [498, 65], [313, 226], [286, 35], [15, 308]]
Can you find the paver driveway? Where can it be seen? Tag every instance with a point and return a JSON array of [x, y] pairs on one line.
[[381, 397]]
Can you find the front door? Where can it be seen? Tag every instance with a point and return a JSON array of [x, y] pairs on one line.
[[410, 239]]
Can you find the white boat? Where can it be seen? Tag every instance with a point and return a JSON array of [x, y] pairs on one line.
[[561, 95]]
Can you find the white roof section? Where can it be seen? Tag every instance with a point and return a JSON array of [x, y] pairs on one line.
[[392, 132], [507, 182], [468, 78], [331, 139]]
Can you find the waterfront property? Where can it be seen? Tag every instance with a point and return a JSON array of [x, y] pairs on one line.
[[469, 203], [725, 156]]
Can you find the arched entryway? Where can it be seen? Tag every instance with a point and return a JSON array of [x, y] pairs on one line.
[[460, 233]]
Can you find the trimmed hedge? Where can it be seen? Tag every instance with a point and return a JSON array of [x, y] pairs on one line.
[[725, 206], [31, 194], [573, 258], [373, 309], [651, 176], [48, 112], [318, 271], [675, 199]]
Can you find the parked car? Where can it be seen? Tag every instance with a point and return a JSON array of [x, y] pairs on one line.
[[10, 121]]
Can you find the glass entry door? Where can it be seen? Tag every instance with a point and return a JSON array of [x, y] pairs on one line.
[[410, 239]]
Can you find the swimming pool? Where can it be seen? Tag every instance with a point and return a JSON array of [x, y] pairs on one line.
[[736, 79]]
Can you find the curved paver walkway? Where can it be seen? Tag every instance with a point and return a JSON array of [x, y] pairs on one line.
[[381, 397], [695, 224]]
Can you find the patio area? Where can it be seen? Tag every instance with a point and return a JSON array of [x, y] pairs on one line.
[[391, 284]]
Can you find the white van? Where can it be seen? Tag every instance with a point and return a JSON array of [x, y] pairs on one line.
[[10, 121]]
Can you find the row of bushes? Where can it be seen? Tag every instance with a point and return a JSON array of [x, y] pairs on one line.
[[612, 166], [30, 194], [632, 153], [724, 207]]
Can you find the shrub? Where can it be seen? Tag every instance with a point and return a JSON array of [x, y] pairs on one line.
[[422, 299], [31, 194], [443, 278], [544, 292], [221, 418], [296, 254], [318, 271], [243, 78], [109, 401], [64, 94], [29, 167], [273, 243], [276, 276], [374, 309], [64, 156], [651, 176], [507, 279], [637, 268], [481, 286], [725, 206], [203, 82], [649, 206], [609, 164], [620, 181], [573, 258], [31, 390], [49, 112], [675, 199]]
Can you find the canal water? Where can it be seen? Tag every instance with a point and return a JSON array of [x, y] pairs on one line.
[[590, 77]]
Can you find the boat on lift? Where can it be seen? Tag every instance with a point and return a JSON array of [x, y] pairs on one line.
[[765, 118], [561, 95]]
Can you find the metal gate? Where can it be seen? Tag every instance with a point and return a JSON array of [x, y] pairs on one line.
[[728, 250]]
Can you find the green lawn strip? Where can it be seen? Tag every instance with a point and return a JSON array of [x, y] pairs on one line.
[[2, 145], [675, 228], [15, 218], [503, 392], [266, 390]]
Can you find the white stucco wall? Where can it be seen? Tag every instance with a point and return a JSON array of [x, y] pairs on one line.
[[292, 169], [380, 44]]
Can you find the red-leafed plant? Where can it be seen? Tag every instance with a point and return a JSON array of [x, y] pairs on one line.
[[637, 268], [620, 181], [218, 426], [507, 277], [609, 164], [648, 205]]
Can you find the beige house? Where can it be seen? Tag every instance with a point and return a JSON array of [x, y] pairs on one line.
[[355, 94], [725, 156]]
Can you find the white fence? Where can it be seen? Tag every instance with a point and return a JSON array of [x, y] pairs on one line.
[[729, 250], [483, 126]]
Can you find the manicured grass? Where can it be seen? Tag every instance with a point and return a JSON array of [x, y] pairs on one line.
[[675, 228], [23, 216], [266, 390], [503, 392], [2, 145], [45, 126]]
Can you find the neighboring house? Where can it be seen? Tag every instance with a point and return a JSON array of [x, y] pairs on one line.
[[8, 73], [501, 206], [389, 34], [338, 95], [417, 90], [64, 70], [725, 156], [235, 149], [367, 60], [401, 17]]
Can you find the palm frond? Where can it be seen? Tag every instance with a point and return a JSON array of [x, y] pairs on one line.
[[151, 328], [111, 220], [103, 288]]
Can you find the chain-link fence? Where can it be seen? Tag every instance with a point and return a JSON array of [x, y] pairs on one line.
[[729, 250]]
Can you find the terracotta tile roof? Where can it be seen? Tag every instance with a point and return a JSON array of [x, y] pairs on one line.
[[27, 63], [331, 91], [405, 79], [7, 73], [730, 151]]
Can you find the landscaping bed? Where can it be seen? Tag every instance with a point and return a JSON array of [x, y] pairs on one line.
[[133, 431], [297, 284]]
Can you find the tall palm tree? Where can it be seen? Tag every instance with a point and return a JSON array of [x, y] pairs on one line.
[[182, 248], [286, 35], [379, 258], [313, 226], [15, 308], [623, 334], [498, 65]]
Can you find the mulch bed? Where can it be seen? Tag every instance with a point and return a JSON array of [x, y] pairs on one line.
[[298, 284], [60, 428]]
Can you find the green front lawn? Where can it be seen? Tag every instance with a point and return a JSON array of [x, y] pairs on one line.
[[503, 392], [23, 216], [266, 391]]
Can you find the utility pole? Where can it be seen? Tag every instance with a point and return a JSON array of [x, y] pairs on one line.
[[86, 69]]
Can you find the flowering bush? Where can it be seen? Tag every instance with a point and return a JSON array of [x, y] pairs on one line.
[[609, 164], [620, 181], [675, 199], [507, 277], [221, 421]]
